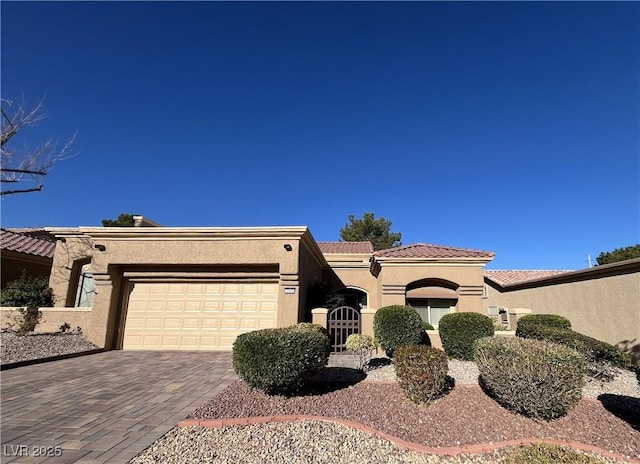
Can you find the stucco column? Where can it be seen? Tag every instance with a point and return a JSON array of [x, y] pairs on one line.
[[98, 328], [470, 299], [366, 321], [319, 316], [288, 300]]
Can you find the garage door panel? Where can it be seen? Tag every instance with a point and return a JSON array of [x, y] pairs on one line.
[[266, 323], [196, 316]]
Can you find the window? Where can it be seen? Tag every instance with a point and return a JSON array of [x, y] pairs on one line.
[[86, 287], [431, 310]]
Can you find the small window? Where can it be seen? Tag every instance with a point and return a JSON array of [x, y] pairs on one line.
[[86, 287], [432, 310]]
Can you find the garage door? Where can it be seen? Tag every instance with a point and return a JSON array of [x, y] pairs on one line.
[[196, 316]]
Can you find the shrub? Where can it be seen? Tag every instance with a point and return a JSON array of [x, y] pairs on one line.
[[459, 331], [363, 347], [548, 320], [595, 351], [309, 327], [421, 371], [27, 291], [535, 378], [28, 294], [280, 360], [427, 326], [541, 453], [395, 326]]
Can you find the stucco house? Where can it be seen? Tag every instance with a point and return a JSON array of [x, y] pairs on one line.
[[198, 288]]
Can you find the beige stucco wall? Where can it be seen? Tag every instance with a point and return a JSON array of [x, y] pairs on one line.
[[175, 253], [52, 318], [604, 307]]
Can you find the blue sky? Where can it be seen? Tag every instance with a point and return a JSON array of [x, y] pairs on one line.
[[511, 127]]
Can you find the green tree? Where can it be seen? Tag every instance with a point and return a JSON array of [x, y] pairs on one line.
[[377, 231], [619, 254], [124, 220]]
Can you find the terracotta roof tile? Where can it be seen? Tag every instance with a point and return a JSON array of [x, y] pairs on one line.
[[423, 250], [21, 243], [519, 276], [346, 247]]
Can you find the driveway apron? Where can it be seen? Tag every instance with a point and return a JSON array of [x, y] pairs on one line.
[[105, 407]]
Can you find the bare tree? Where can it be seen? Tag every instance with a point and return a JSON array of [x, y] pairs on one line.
[[23, 169]]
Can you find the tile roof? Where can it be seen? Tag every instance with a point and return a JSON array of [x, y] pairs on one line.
[[21, 243], [346, 247], [424, 250], [518, 276]]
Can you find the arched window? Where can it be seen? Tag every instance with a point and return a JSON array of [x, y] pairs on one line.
[[353, 297], [432, 299]]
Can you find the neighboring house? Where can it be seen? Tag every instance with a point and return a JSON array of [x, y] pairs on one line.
[[602, 301], [198, 288], [25, 250]]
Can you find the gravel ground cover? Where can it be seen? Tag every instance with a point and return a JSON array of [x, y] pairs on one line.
[[466, 416], [14, 348], [295, 442]]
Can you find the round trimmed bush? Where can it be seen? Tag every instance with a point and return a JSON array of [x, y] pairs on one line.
[[395, 326], [531, 377], [529, 321], [421, 371], [280, 360], [459, 331]]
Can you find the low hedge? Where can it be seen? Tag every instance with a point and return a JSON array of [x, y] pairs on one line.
[[535, 378], [421, 371], [548, 320], [395, 326], [280, 360], [459, 331], [593, 350]]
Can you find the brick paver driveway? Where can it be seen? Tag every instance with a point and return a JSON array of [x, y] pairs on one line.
[[104, 407]]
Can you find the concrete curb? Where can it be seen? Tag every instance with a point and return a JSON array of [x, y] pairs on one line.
[[29, 362], [447, 451]]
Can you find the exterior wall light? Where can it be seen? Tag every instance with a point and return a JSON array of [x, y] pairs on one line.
[[287, 247], [100, 247]]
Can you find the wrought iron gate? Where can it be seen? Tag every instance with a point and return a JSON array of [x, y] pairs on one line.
[[342, 322]]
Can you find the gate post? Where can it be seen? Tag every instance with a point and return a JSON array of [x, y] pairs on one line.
[[319, 316], [366, 320]]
